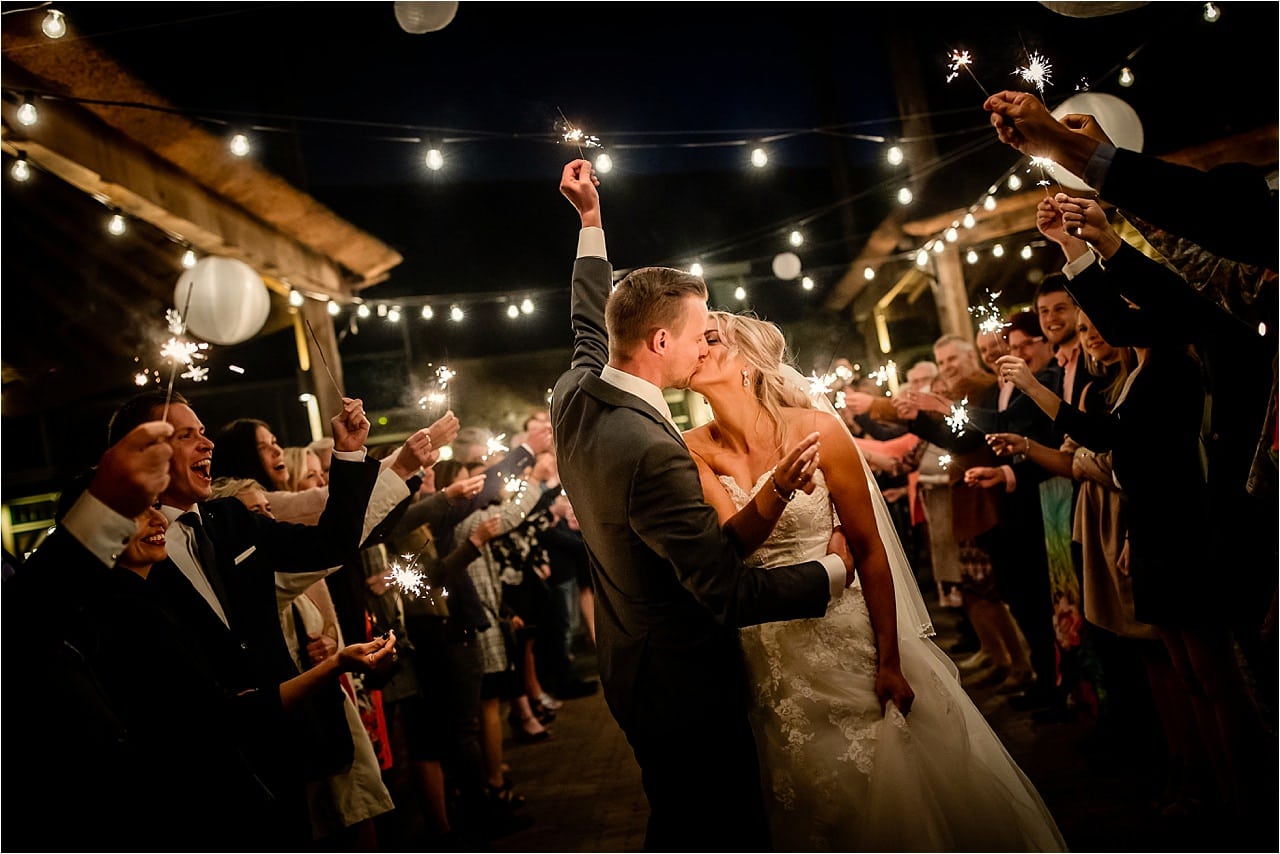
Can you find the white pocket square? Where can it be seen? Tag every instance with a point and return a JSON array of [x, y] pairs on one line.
[[240, 558]]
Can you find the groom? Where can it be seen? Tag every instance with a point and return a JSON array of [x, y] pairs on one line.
[[670, 589]]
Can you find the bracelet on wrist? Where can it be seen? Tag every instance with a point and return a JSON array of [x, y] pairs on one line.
[[785, 496]]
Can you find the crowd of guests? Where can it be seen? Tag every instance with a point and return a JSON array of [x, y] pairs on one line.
[[265, 648], [274, 648]]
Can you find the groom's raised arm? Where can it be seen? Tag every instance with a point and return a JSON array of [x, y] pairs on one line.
[[592, 274]]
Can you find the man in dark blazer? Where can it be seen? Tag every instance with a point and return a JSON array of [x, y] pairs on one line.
[[671, 590], [219, 576]]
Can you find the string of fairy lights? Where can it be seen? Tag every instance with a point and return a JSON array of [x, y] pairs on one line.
[[434, 144]]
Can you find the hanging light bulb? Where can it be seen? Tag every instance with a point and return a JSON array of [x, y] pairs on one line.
[[868, 273], [239, 145], [969, 221], [188, 259], [795, 238], [427, 313], [393, 316], [382, 309], [21, 171], [1015, 183], [1026, 252], [434, 159], [740, 293], [1211, 14], [604, 164], [922, 258], [333, 308], [759, 158], [807, 283], [937, 246], [526, 306], [989, 203], [116, 225], [28, 115], [54, 24], [695, 269], [904, 196], [997, 251], [295, 298], [971, 256], [456, 314], [1126, 77], [951, 235], [513, 312], [894, 155], [362, 311]]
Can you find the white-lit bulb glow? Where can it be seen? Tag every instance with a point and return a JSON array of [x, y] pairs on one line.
[[20, 171], [1126, 77], [740, 293], [969, 221], [759, 158], [188, 259], [1026, 253], [434, 159], [116, 225], [795, 238], [1015, 183], [54, 24], [807, 283], [905, 196], [989, 203], [937, 246], [333, 308], [296, 299], [427, 313], [1262, 330], [526, 306], [362, 311], [695, 268], [971, 256], [951, 235], [28, 115], [604, 164], [894, 155], [456, 314], [393, 316], [868, 273], [382, 310], [997, 251], [1211, 14], [513, 311], [922, 258], [239, 145]]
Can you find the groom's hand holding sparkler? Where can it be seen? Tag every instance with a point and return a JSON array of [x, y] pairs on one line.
[[134, 470], [578, 184], [350, 426], [1023, 122]]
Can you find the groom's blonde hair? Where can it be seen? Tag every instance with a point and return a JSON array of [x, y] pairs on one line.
[[762, 346], [648, 299]]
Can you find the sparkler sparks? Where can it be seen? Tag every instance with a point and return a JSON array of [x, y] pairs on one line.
[[444, 375], [575, 135], [959, 416], [494, 446], [407, 579], [944, 460], [179, 351], [991, 318], [962, 59], [196, 373], [1038, 72], [515, 485], [177, 324], [819, 385]]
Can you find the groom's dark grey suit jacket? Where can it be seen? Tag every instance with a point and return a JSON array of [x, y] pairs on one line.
[[670, 589]]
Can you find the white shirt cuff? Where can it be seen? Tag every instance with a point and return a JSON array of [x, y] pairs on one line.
[[1010, 481], [591, 243], [350, 456], [835, 572], [1074, 268], [98, 528]]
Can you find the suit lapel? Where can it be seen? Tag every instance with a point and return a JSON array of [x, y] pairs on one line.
[[614, 396]]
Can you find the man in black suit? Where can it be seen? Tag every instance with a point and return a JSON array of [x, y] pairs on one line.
[[219, 575], [671, 590]]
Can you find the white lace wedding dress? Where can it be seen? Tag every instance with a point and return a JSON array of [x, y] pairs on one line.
[[839, 776]]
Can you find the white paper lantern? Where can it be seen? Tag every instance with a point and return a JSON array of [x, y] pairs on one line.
[[1117, 119], [229, 300], [1090, 10], [786, 265], [420, 18]]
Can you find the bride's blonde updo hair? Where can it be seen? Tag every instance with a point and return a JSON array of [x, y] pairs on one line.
[[761, 345]]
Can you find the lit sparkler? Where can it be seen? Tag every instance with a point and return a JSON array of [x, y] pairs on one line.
[[962, 59], [323, 360], [515, 485], [1046, 167], [407, 579], [444, 375], [177, 324], [991, 319], [958, 417], [1038, 72], [819, 385], [494, 446], [196, 373], [575, 135], [944, 460], [840, 402]]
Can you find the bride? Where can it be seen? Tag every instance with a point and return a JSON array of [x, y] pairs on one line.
[[867, 741]]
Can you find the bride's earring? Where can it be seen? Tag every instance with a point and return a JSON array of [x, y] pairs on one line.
[[746, 378]]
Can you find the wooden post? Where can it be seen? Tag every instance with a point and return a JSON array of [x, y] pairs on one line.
[[952, 299]]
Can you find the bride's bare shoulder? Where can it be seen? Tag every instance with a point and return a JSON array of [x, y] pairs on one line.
[[804, 421]]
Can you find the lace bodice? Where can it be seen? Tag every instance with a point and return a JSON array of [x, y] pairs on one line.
[[802, 531]]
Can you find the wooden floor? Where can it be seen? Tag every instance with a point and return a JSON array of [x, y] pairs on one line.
[[583, 786]]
